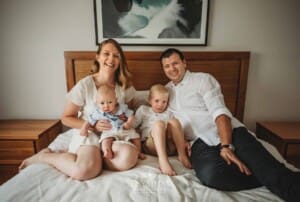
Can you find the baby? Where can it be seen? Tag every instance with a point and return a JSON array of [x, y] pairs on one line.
[[109, 109]]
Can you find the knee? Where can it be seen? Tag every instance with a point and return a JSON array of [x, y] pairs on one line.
[[85, 172], [159, 125], [174, 122], [128, 159], [209, 176], [125, 157]]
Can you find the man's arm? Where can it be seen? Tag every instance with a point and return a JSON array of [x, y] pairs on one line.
[[225, 132]]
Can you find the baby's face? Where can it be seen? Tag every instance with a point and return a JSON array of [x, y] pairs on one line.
[[107, 102], [159, 102]]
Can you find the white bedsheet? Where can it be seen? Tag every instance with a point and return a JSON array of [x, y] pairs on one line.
[[144, 183]]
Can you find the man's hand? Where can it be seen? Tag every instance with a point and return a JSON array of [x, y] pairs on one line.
[[229, 156]]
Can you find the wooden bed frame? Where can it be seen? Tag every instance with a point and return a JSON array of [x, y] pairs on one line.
[[229, 68]]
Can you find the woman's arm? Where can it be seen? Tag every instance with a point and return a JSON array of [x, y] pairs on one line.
[[70, 116]]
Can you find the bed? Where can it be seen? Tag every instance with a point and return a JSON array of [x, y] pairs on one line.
[[41, 182]]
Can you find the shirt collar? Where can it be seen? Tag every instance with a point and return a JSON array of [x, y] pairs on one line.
[[185, 79]]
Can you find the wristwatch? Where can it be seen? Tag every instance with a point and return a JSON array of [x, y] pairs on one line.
[[229, 146]]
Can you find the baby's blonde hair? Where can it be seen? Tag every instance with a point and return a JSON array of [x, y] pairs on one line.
[[105, 89], [158, 88]]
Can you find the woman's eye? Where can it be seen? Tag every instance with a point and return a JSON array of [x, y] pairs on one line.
[[116, 56]]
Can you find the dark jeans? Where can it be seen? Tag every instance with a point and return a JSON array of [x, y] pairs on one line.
[[213, 171]]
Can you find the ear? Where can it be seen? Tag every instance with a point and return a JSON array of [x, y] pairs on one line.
[[97, 56], [184, 63]]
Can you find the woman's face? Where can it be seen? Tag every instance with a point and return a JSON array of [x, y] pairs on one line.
[[109, 58]]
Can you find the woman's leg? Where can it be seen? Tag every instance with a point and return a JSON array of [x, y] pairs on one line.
[[270, 173], [125, 156], [213, 171], [86, 164], [175, 131]]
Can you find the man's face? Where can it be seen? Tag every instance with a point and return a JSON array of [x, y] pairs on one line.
[[174, 68]]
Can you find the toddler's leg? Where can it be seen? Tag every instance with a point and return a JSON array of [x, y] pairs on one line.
[[175, 131], [106, 145], [159, 136]]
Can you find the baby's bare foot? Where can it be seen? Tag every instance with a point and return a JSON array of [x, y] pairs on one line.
[[142, 156], [107, 153], [185, 161], [166, 168]]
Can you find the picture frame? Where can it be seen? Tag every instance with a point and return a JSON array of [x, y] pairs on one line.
[[147, 22]]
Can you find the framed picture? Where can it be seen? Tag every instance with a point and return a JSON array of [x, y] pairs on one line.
[[152, 22]]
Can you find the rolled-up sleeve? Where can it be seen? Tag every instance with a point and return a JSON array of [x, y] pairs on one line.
[[214, 98]]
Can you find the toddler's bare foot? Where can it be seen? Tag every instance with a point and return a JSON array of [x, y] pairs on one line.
[[185, 161], [108, 153], [33, 159], [166, 168]]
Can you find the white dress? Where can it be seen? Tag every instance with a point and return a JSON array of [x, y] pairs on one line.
[[84, 95]]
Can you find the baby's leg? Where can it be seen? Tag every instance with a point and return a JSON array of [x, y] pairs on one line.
[[137, 143], [159, 136], [106, 145], [175, 131]]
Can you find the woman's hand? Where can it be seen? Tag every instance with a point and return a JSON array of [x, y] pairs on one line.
[[102, 125], [229, 156]]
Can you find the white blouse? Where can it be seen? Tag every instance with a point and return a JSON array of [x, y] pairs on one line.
[[84, 94], [197, 101]]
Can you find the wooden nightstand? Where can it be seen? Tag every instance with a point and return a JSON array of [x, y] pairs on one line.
[[20, 139], [285, 136]]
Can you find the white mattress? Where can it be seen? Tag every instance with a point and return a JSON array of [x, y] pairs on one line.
[[144, 183]]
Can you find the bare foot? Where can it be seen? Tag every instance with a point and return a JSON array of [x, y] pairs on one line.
[[33, 159], [142, 156], [108, 153], [185, 161], [166, 168]]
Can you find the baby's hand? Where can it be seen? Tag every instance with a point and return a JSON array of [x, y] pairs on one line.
[[127, 126]]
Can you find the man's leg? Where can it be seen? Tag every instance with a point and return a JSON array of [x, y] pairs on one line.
[[269, 172], [213, 171]]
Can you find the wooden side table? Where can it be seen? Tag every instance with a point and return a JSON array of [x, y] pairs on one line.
[[20, 139], [285, 136]]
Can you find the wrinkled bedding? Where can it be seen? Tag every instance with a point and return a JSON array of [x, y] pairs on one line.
[[145, 183]]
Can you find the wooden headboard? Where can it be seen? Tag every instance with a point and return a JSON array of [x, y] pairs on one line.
[[229, 68]]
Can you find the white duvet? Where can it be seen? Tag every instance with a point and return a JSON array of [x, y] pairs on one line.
[[144, 183]]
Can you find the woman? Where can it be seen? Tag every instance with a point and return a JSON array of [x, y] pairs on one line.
[[84, 160]]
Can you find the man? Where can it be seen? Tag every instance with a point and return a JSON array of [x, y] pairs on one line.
[[224, 154]]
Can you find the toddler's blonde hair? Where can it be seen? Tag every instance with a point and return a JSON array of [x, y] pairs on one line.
[[157, 88]]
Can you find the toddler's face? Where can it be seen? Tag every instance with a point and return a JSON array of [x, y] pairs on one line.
[[107, 102], [159, 102]]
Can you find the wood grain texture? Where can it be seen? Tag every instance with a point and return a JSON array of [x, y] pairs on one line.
[[229, 68]]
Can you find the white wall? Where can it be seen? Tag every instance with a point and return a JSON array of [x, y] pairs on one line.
[[35, 33]]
